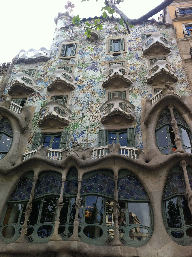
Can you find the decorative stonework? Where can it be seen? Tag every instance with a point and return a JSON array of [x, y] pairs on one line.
[[155, 44]]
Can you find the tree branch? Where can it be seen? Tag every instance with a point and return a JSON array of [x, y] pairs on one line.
[[143, 18]]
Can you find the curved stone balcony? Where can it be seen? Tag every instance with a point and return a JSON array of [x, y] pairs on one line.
[[116, 78], [62, 82], [155, 44], [54, 115], [161, 72], [117, 111], [33, 56], [22, 84]]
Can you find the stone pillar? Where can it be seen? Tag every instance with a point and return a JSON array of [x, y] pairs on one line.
[[56, 236], [183, 164], [176, 131], [75, 236], [22, 238], [116, 240]]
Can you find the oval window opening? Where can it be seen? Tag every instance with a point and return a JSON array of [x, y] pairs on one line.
[[45, 231], [93, 232], [8, 232]]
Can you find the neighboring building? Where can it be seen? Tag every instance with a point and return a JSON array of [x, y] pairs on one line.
[[95, 145], [179, 13]]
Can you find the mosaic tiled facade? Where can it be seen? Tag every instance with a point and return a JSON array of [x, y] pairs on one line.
[[93, 134]]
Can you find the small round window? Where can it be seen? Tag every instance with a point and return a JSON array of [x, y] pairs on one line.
[[6, 137]]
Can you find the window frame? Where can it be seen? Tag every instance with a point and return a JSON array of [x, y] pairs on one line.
[[7, 121], [184, 240], [66, 44], [122, 42]]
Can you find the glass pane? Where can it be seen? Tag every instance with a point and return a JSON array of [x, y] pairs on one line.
[[72, 211], [22, 190], [116, 45], [8, 232], [47, 140], [186, 211], [68, 50], [139, 214], [49, 209], [109, 213], [112, 137], [189, 232], [186, 139], [56, 142], [122, 214], [123, 138], [173, 213], [12, 213], [48, 184], [138, 234], [34, 213], [175, 185], [94, 210], [99, 183], [130, 188], [177, 234], [162, 137], [5, 143], [93, 232], [64, 211], [45, 231]]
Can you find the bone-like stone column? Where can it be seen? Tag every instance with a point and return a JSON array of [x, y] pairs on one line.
[[56, 236], [176, 131], [28, 210], [116, 240], [75, 236], [183, 164]]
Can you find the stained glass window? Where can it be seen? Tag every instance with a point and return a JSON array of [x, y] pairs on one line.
[[68, 211], [97, 193], [14, 213], [135, 213], [42, 217], [165, 135], [177, 215], [6, 137]]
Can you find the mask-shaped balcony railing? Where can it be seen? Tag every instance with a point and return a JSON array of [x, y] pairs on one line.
[[62, 82], [168, 90], [155, 44], [54, 114], [33, 56], [15, 107], [117, 110], [161, 72], [22, 84], [117, 77]]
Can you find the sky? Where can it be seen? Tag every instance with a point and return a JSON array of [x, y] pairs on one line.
[[30, 24]]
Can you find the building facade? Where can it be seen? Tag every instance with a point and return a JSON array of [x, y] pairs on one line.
[[95, 145]]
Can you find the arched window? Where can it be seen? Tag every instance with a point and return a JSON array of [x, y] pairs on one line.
[[42, 216], [177, 216], [14, 213], [96, 216], [6, 136], [67, 214], [165, 135], [135, 212]]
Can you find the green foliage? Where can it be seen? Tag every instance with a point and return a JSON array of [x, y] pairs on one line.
[[76, 20]]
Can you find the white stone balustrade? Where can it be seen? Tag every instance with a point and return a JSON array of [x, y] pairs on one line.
[[55, 154], [117, 105], [156, 97], [28, 155], [15, 107], [99, 152]]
